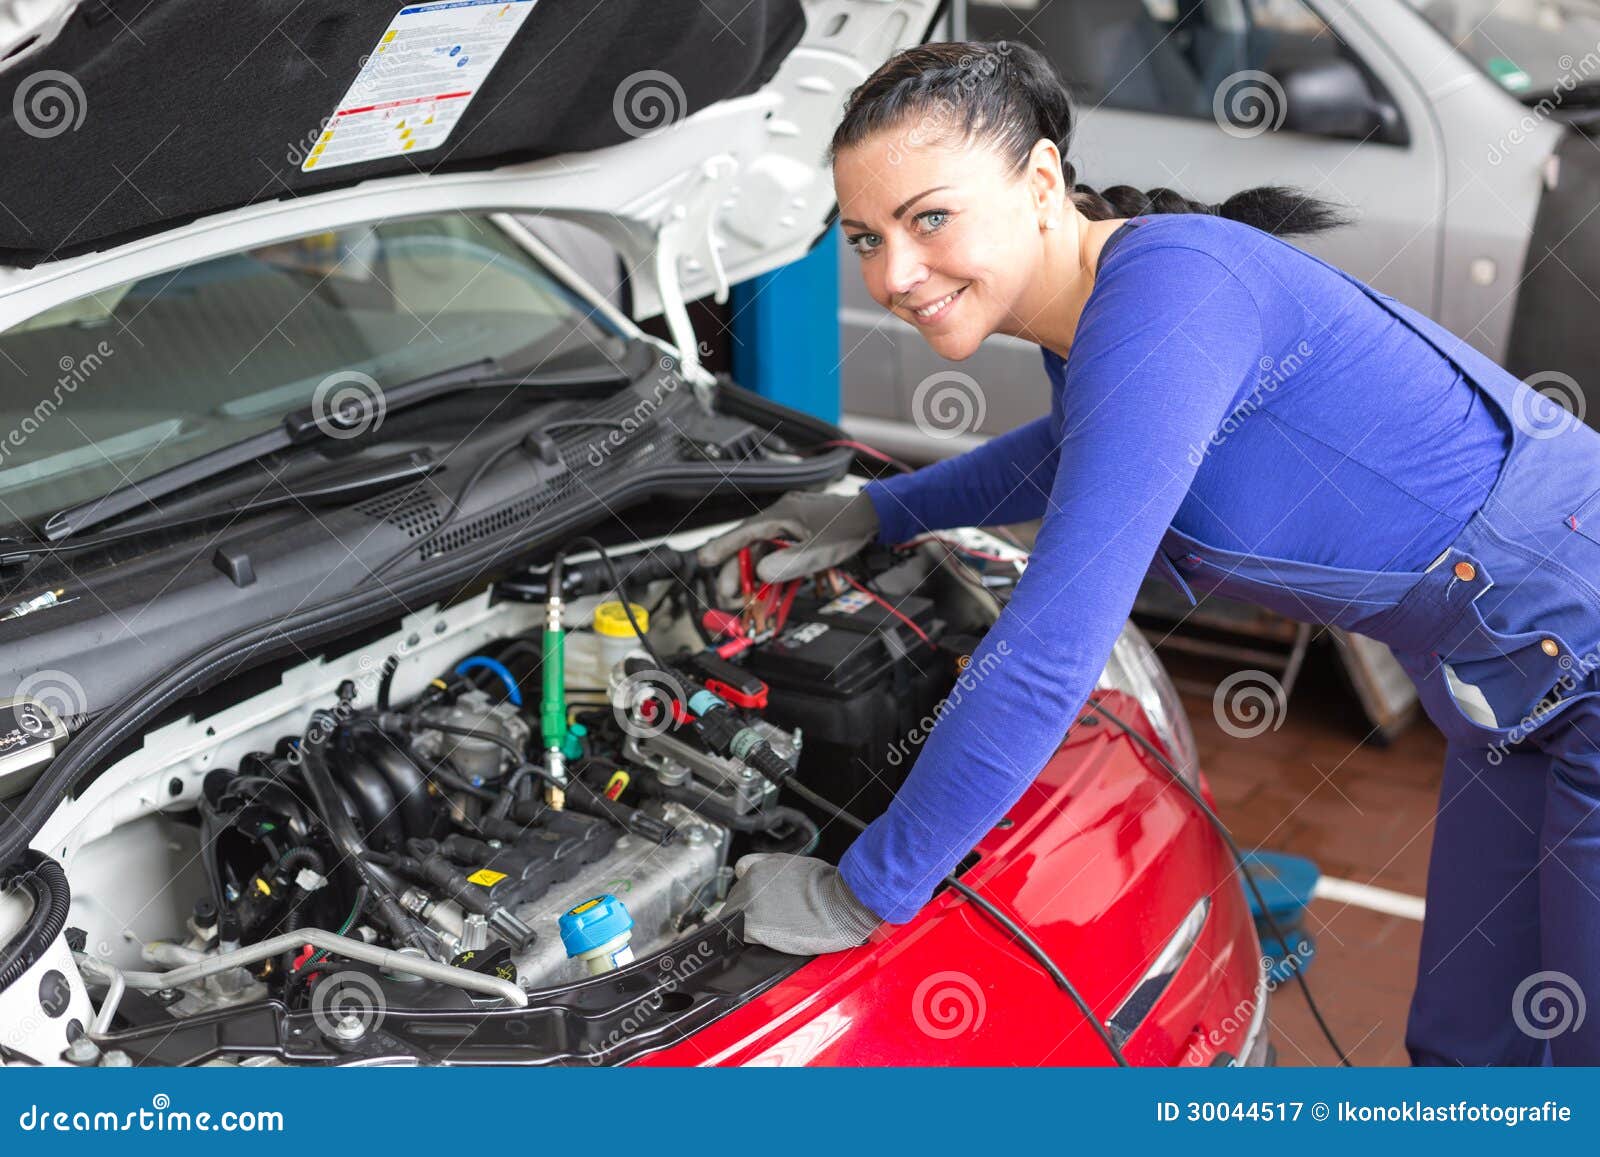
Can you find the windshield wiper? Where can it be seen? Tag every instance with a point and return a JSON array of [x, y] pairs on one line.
[[388, 472], [297, 428]]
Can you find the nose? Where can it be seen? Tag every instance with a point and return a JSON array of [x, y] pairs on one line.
[[904, 270]]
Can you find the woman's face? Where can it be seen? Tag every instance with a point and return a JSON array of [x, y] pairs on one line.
[[948, 239]]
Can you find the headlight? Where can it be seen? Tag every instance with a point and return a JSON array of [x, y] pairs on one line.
[[1134, 670]]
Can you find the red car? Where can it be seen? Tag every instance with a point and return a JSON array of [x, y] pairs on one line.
[[1089, 862], [326, 736]]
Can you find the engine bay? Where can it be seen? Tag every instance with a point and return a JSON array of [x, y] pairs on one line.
[[475, 837]]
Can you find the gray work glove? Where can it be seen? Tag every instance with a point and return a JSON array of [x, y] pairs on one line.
[[828, 528], [798, 904]]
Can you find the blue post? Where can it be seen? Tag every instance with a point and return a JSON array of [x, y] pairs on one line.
[[786, 332]]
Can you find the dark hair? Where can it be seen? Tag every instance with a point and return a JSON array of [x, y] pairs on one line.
[[1008, 94]]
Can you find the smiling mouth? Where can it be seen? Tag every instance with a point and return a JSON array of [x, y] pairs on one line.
[[934, 310]]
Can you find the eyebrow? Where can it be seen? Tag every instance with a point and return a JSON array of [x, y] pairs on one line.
[[904, 205]]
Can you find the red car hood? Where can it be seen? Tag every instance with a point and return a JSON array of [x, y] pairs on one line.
[[1103, 859]]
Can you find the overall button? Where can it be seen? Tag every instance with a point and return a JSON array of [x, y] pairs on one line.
[[1466, 572], [1550, 647]]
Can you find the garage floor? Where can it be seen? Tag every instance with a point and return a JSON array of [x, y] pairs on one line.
[[1364, 814]]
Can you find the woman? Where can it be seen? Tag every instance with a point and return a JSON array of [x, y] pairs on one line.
[[1246, 419]]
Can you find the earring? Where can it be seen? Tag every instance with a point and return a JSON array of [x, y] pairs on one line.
[[1051, 223]]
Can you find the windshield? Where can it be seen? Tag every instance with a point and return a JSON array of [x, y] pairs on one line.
[[1526, 46], [112, 388]]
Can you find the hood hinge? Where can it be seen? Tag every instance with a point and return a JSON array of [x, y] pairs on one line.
[[687, 242]]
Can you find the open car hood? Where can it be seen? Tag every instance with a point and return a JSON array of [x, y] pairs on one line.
[[690, 133]]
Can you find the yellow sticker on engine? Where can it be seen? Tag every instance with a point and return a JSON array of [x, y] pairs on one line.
[[486, 876], [584, 907]]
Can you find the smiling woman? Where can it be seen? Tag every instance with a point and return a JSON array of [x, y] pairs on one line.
[[949, 164], [1244, 419]]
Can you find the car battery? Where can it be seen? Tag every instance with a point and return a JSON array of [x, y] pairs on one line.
[[862, 687]]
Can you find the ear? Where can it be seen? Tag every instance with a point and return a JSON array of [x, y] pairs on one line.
[[1047, 187]]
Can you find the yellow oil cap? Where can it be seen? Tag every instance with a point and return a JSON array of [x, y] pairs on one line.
[[612, 621]]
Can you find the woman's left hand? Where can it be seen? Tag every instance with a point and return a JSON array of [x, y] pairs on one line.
[[798, 904]]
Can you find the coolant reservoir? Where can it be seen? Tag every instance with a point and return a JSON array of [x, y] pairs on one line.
[[598, 932], [615, 634]]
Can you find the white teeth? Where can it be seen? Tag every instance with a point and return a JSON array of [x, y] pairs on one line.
[[930, 310]]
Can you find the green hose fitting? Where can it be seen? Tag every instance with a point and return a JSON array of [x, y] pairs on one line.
[[553, 706]]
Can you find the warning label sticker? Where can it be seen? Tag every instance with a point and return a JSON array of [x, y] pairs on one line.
[[847, 604], [417, 82]]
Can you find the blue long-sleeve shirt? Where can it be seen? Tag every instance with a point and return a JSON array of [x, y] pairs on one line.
[[1222, 382]]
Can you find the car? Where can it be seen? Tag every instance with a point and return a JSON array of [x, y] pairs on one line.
[[1458, 130], [363, 698]]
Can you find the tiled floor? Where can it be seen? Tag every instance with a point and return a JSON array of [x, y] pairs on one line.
[[1363, 813]]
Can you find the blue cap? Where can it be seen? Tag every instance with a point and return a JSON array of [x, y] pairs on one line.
[[594, 922]]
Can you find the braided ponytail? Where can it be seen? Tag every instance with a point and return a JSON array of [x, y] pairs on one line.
[[1008, 94]]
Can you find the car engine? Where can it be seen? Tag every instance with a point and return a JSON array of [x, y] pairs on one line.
[[476, 836]]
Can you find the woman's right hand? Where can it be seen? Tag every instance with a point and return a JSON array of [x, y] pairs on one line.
[[827, 529]]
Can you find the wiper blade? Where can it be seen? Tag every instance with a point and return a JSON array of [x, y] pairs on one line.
[[388, 472], [297, 428]]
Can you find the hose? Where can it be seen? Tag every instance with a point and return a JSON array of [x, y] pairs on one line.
[[494, 667], [43, 879], [386, 683], [292, 861]]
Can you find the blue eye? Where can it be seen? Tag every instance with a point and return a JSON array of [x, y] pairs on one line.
[[933, 226], [855, 242]]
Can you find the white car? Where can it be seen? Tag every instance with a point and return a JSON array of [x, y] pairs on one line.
[[325, 737]]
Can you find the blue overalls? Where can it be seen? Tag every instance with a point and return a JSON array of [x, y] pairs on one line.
[[1500, 634]]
